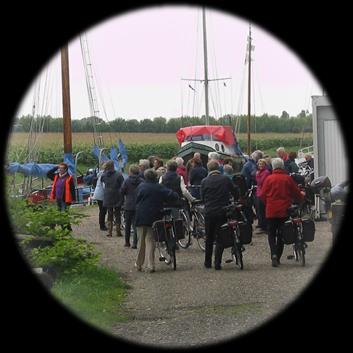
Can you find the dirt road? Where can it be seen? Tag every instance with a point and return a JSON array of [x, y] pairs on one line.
[[194, 306]]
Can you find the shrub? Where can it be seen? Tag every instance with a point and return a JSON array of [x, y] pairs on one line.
[[66, 255]]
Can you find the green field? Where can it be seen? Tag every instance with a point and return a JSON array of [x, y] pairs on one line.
[[56, 139], [139, 145]]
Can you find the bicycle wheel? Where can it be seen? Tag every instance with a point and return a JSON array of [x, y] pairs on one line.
[[185, 242], [301, 254], [173, 258], [200, 231], [237, 256]]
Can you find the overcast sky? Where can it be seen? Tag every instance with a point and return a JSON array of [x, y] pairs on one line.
[[140, 57]]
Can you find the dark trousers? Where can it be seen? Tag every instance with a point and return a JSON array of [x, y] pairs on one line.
[[130, 221], [62, 207], [275, 239], [260, 213], [114, 214], [212, 224], [102, 213]]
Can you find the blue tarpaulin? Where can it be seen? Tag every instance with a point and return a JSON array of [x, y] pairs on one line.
[[123, 153], [30, 169], [114, 157]]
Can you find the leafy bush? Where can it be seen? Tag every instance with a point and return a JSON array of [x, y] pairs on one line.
[[40, 219], [66, 255]]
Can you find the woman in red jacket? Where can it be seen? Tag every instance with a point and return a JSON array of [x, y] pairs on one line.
[[278, 192]]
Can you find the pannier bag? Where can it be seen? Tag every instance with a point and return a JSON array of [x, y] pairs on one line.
[[308, 230], [160, 232], [289, 233], [245, 233], [225, 236], [320, 183]]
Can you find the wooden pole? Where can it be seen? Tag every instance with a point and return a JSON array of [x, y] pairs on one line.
[[66, 99]]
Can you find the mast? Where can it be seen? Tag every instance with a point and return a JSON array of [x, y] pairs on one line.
[[206, 80], [66, 99], [249, 90], [205, 64]]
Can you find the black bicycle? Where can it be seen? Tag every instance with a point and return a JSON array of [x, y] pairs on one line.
[[166, 233], [194, 226], [298, 231], [235, 233]]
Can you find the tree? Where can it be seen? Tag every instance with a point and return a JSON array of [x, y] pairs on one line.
[[284, 115]]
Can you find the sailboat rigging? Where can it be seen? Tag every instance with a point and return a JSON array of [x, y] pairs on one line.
[[208, 138], [32, 169]]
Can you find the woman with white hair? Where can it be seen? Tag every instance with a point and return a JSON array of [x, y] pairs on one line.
[[181, 169], [279, 190]]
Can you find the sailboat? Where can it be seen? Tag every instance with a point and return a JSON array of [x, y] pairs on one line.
[[32, 170], [209, 138]]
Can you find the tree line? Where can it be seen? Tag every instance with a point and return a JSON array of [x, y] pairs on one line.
[[264, 123]]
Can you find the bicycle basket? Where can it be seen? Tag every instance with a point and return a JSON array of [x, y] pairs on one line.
[[245, 233], [308, 230], [160, 230], [225, 236], [289, 233]]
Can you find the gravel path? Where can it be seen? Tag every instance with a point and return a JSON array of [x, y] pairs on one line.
[[193, 306]]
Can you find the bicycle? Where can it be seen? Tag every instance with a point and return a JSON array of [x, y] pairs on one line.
[[194, 227], [298, 231], [235, 233], [166, 231]]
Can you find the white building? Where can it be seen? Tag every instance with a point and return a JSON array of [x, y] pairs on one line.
[[329, 146]]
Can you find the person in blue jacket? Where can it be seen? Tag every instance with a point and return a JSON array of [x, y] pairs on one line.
[[150, 197]]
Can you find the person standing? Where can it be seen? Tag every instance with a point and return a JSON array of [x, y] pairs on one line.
[[63, 188], [98, 195], [112, 200], [261, 174], [278, 192], [128, 190], [150, 197], [144, 164], [197, 174], [181, 169], [216, 191]]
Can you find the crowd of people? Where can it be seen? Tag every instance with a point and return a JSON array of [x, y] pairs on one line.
[[152, 185]]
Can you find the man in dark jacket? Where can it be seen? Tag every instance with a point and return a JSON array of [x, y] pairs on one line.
[[128, 190], [197, 174], [112, 200], [216, 190], [150, 198]]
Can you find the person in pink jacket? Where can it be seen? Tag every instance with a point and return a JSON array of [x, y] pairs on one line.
[[261, 174], [279, 190]]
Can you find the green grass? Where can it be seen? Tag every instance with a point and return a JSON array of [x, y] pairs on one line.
[[96, 296]]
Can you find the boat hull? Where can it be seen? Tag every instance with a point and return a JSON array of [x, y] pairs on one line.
[[188, 150]]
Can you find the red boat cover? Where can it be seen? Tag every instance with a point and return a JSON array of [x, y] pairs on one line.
[[218, 132]]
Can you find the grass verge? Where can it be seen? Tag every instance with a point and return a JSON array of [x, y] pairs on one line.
[[95, 295]]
